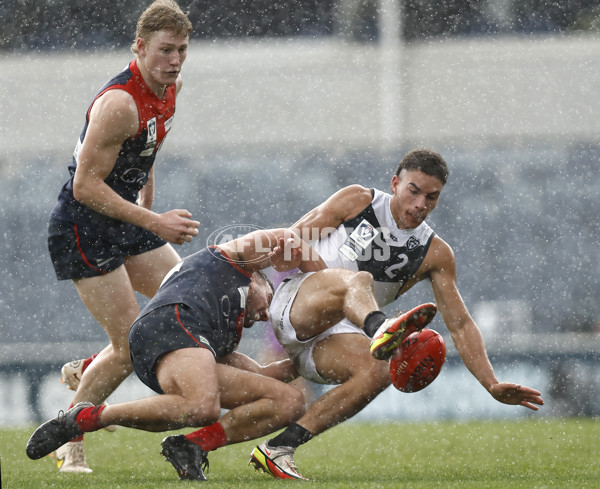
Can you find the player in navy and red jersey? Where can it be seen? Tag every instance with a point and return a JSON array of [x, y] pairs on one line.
[[134, 162], [183, 346], [102, 233]]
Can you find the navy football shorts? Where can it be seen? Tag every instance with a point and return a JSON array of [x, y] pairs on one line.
[[165, 329], [80, 251]]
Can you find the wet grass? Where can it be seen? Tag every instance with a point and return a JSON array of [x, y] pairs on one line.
[[546, 453]]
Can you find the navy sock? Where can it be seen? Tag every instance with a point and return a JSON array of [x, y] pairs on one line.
[[293, 436], [372, 322]]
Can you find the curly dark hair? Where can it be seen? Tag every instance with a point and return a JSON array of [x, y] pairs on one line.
[[427, 161]]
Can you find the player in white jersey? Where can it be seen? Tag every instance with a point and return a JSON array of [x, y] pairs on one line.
[[386, 235], [372, 241]]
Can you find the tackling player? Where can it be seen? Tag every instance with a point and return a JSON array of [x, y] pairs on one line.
[[183, 347]]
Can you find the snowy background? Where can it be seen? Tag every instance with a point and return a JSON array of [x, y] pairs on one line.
[[279, 109]]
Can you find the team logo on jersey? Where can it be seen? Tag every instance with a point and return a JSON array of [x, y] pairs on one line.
[[359, 240], [133, 175], [151, 137], [412, 243]]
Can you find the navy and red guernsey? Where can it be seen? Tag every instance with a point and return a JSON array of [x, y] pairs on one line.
[[215, 289], [136, 156]]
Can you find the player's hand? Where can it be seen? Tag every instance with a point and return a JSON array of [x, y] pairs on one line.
[[287, 255], [516, 394], [176, 226], [282, 370]]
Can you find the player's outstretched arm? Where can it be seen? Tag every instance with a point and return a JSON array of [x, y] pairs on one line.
[[280, 248], [468, 338], [516, 394], [293, 252], [325, 218]]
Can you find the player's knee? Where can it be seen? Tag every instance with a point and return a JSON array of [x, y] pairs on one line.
[[376, 374], [118, 357], [119, 352], [292, 403], [380, 374], [363, 280], [202, 413]]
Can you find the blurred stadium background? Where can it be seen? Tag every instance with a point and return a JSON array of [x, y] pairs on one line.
[[285, 102]]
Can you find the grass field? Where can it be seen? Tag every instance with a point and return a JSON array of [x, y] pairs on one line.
[[547, 453]]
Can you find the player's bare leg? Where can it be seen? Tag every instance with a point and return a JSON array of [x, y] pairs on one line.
[[258, 405], [328, 296], [111, 300], [147, 271], [343, 358], [322, 300], [196, 388]]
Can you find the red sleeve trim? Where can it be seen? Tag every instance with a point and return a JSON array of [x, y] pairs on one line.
[[231, 262]]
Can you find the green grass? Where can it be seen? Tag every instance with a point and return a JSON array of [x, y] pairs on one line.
[[547, 453]]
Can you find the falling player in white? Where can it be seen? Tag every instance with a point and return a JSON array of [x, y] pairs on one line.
[[386, 235]]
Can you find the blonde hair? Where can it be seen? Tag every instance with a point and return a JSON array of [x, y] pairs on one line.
[[161, 15]]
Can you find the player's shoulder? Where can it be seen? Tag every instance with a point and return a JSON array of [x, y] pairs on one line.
[[439, 258], [116, 97], [114, 101], [349, 201], [355, 193], [440, 253], [117, 108]]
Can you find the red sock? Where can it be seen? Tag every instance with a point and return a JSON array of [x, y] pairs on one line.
[[87, 361], [209, 438], [79, 438], [88, 419], [86, 364]]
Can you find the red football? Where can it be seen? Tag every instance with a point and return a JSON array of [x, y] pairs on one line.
[[417, 361]]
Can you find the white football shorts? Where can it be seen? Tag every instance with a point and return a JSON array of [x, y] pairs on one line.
[[301, 352]]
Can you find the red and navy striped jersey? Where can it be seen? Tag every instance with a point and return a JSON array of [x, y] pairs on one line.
[[136, 156], [215, 289]]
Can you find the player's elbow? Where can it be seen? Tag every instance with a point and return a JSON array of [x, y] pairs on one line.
[[82, 191], [78, 193]]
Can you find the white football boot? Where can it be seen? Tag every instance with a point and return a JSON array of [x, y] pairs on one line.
[[71, 458], [71, 373], [278, 461]]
